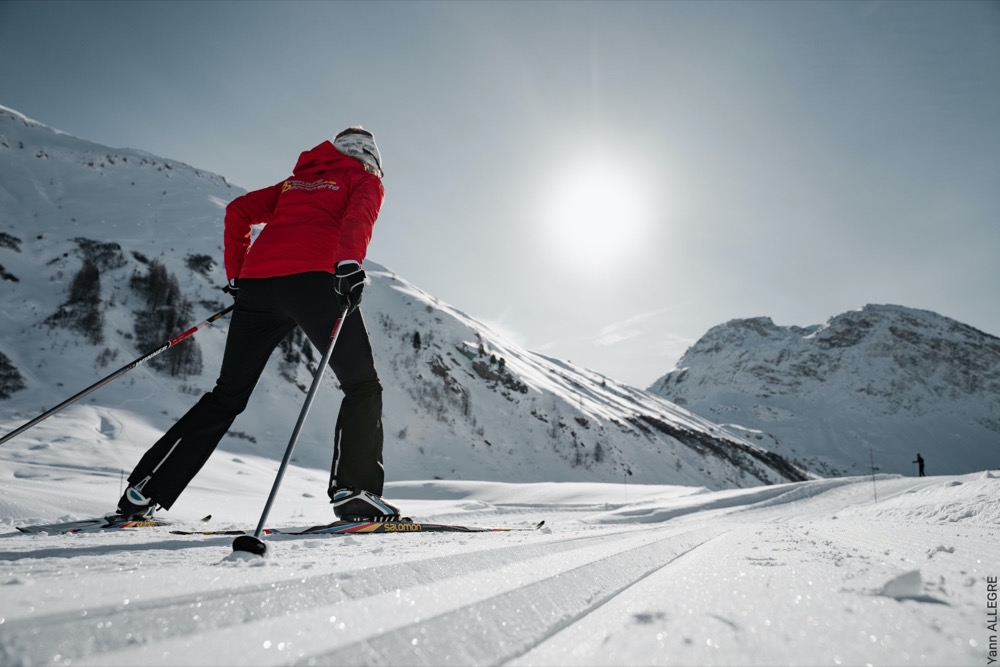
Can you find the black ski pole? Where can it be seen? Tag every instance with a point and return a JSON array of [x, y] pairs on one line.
[[252, 543], [118, 373]]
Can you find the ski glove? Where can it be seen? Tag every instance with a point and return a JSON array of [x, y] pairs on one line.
[[232, 287], [348, 284]]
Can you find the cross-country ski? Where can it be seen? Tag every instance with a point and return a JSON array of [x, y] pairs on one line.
[[90, 525], [369, 528]]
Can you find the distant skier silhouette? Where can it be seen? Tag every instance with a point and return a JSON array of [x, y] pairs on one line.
[[920, 464]]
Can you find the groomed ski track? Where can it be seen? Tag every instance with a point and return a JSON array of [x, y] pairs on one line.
[[743, 577]]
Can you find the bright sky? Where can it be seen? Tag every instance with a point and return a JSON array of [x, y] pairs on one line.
[[603, 181]]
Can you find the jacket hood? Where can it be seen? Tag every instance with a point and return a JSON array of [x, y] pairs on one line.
[[324, 158]]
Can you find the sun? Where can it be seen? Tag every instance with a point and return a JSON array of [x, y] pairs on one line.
[[596, 213]]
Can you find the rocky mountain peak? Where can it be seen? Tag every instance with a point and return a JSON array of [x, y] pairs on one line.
[[885, 375]]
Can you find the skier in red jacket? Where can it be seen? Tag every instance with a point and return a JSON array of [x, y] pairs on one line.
[[305, 261]]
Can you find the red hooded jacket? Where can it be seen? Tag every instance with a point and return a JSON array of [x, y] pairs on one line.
[[322, 215]]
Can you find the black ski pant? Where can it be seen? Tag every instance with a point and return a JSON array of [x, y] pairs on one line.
[[267, 309]]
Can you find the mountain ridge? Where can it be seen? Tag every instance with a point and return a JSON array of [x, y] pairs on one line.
[[884, 381], [112, 251]]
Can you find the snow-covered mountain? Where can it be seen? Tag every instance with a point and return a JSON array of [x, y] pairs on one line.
[[884, 382], [107, 253]]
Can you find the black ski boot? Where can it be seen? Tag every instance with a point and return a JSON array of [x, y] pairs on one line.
[[360, 505], [134, 506]]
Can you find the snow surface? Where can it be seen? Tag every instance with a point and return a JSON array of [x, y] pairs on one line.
[[809, 573]]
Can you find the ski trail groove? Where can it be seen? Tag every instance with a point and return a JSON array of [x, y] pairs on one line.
[[505, 626], [75, 635]]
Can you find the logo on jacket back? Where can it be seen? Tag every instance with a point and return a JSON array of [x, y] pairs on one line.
[[294, 184]]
